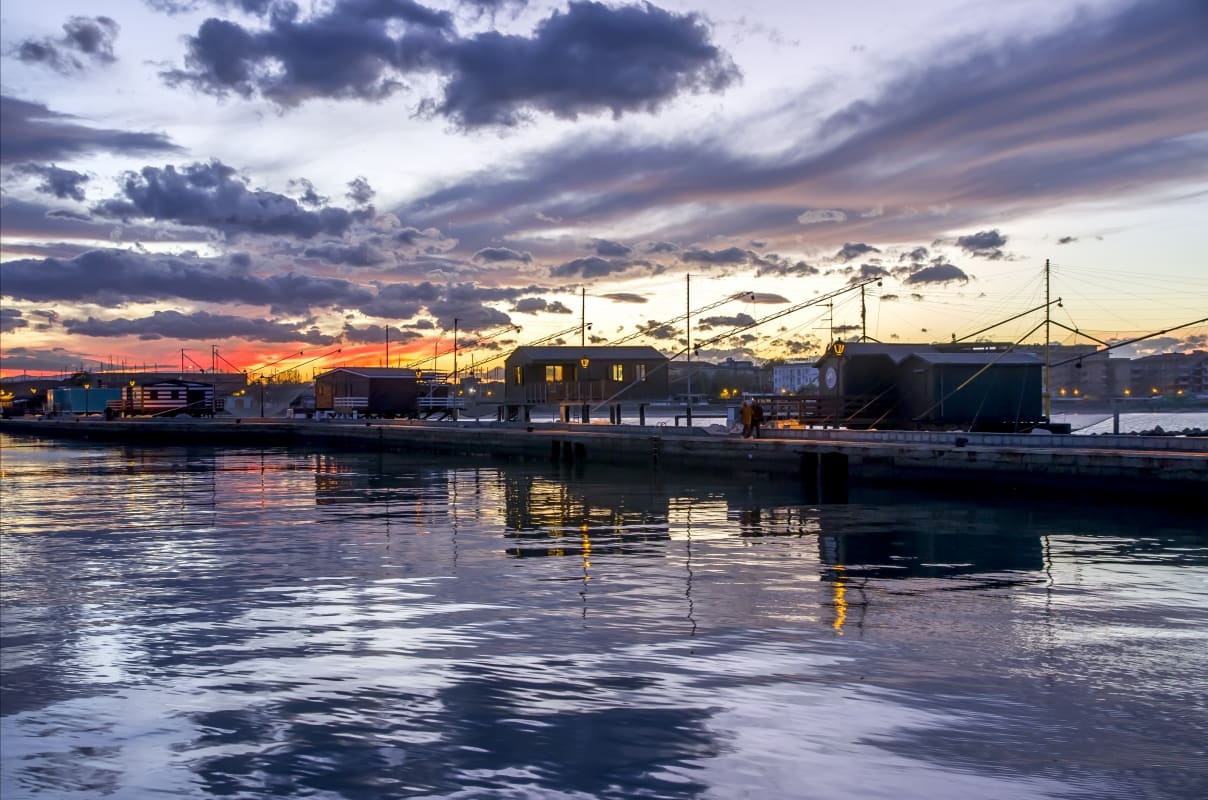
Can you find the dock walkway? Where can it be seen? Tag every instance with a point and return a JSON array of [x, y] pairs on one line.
[[1168, 468]]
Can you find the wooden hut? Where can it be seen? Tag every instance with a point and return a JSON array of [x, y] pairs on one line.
[[591, 374], [379, 391]]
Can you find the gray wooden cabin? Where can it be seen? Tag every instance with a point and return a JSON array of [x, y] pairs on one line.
[[561, 375]]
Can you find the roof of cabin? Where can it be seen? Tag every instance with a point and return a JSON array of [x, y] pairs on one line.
[[374, 372], [574, 352], [977, 358]]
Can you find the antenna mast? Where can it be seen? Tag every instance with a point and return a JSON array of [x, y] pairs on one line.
[[688, 331], [1047, 394]]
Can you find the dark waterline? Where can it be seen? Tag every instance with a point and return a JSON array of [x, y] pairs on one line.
[[272, 623]]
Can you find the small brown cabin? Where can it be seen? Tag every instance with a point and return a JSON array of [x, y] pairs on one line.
[[379, 391]]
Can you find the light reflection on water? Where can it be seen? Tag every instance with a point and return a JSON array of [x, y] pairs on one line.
[[286, 623]]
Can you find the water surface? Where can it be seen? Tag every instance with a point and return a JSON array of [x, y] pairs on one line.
[[194, 622]]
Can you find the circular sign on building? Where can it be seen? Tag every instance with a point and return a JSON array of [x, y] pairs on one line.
[[832, 377]]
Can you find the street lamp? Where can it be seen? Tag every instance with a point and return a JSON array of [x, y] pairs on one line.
[[87, 386]]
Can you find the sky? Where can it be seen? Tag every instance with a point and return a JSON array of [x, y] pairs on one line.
[[262, 185]]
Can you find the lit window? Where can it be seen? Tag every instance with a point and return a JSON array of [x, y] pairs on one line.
[[641, 371], [618, 372], [553, 373], [518, 377]]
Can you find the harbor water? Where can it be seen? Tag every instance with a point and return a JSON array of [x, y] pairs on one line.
[[254, 623]]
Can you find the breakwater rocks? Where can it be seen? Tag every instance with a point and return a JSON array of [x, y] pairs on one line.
[[1152, 468]]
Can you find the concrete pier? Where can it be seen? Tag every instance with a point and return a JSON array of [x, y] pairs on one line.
[[1170, 469]]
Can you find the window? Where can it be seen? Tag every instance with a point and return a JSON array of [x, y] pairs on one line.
[[176, 394], [641, 371], [618, 372], [553, 373], [152, 394], [518, 377]]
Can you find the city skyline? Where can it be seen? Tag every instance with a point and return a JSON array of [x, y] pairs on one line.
[[269, 178]]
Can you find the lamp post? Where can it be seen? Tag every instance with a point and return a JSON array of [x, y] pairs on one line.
[[87, 386], [130, 397]]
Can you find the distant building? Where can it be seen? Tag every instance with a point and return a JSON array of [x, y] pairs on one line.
[[795, 378], [1169, 374]]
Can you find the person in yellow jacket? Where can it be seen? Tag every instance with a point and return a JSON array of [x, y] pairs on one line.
[[745, 414]]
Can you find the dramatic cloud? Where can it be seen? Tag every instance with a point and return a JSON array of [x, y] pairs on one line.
[[959, 139], [937, 273], [589, 267], [91, 36], [735, 321], [986, 244], [851, 251], [538, 305], [783, 268], [496, 255], [364, 254], [586, 59], [607, 249], [867, 272], [199, 326], [11, 319], [32, 132], [817, 216], [213, 196], [64, 184], [729, 255], [624, 297], [116, 277]]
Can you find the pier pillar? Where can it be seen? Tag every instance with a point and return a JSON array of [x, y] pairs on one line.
[[555, 451], [833, 471], [568, 453], [641, 413], [586, 412]]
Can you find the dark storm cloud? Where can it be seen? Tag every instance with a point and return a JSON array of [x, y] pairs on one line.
[[625, 297], [359, 191], [971, 131], [663, 247], [198, 326], [917, 255], [255, 7], [496, 255], [986, 244], [32, 132], [11, 319], [42, 223], [213, 196], [116, 277], [586, 59], [90, 36], [609, 249], [539, 305], [938, 273], [853, 250], [64, 184], [347, 52]]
